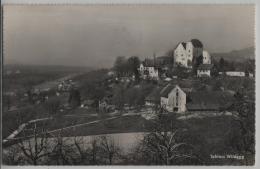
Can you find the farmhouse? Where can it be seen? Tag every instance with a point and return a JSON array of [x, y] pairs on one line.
[[204, 70], [173, 98]]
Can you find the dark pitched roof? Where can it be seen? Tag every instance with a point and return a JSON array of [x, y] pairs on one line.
[[196, 43], [185, 86], [202, 100], [184, 45], [165, 91], [205, 66]]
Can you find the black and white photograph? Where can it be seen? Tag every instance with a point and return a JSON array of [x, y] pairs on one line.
[[129, 85]]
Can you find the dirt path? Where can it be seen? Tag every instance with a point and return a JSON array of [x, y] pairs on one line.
[[22, 126]]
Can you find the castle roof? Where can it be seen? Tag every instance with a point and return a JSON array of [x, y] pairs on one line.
[[184, 44], [196, 43]]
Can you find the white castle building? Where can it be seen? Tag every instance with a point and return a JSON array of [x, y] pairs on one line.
[[186, 52]]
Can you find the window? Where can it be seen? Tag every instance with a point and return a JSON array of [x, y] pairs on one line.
[[177, 97]]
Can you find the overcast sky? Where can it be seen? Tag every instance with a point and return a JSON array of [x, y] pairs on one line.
[[96, 35]]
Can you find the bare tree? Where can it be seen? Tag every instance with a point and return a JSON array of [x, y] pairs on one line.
[[164, 144], [11, 156], [163, 147], [52, 106], [109, 148], [35, 148], [243, 140], [83, 153], [62, 152], [93, 150]]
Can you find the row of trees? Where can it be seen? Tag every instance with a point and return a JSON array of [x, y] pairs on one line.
[[225, 65], [163, 146], [131, 95], [41, 149], [125, 65]]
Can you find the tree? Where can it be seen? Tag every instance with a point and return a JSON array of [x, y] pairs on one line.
[[163, 146], [119, 97], [120, 65], [180, 71], [74, 98], [52, 106], [170, 53], [94, 150], [221, 65], [243, 138], [231, 66], [62, 153], [6, 102], [109, 148], [198, 61], [217, 85], [214, 71], [83, 159], [11, 156], [134, 63], [35, 148]]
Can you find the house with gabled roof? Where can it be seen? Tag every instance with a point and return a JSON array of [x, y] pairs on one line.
[[149, 70], [173, 98], [204, 70]]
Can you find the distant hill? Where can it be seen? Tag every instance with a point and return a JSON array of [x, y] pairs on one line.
[[236, 55], [46, 68]]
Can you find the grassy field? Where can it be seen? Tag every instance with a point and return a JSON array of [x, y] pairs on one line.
[[208, 136]]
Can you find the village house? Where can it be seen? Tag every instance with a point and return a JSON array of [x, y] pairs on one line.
[[66, 85], [87, 103], [233, 73], [154, 98], [204, 70], [237, 74], [148, 70], [206, 57], [173, 98], [105, 105], [186, 52]]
